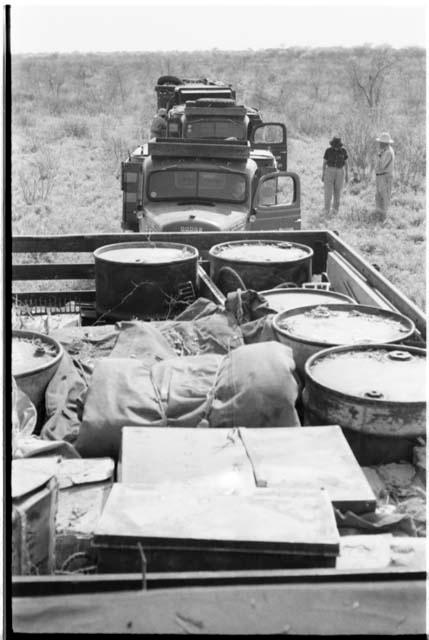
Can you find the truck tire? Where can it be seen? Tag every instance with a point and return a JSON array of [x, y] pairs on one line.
[[169, 80]]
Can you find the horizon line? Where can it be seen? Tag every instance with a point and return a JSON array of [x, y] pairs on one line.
[[367, 45]]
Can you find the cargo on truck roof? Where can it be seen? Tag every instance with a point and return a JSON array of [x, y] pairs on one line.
[[172, 148]]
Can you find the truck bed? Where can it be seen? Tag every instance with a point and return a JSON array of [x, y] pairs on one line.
[[305, 601]]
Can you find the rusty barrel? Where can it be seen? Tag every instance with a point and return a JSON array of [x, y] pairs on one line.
[[259, 264], [35, 359], [294, 298], [308, 330], [376, 393], [144, 279]]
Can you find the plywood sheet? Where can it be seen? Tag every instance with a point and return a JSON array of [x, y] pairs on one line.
[[210, 458], [299, 457], [264, 520]]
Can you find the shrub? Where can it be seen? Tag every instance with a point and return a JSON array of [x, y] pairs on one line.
[[410, 157], [358, 137], [37, 181], [76, 128]]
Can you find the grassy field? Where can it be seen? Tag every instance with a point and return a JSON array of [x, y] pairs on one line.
[[75, 116]]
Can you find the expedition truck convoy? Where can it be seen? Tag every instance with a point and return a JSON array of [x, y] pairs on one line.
[[201, 185], [196, 101]]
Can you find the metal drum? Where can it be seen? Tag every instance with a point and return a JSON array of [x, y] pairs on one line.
[[294, 298], [35, 359], [310, 329], [259, 264], [375, 393], [144, 279]]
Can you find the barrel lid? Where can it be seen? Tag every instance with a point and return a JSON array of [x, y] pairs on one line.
[[261, 251], [145, 253], [380, 372], [337, 324], [284, 299], [33, 352]]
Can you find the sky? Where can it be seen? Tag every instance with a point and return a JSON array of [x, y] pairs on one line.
[[187, 26]]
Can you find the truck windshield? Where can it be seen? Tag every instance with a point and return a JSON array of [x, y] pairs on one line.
[[219, 129], [183, 184]]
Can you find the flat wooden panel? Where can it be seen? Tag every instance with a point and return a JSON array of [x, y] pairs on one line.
[[298, 522], [53, 271], [309, 609], [411, 567], [208, 458], [297, 457]]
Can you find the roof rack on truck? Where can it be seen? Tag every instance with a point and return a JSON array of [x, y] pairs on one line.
[[172, 148]]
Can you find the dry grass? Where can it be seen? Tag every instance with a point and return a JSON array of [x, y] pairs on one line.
[[75, 117]]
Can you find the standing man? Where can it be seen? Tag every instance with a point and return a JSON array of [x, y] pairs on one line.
[[335, 172], [158, 128], [384, 167]]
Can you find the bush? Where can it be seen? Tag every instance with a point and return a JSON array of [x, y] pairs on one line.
[[358, 138], [76, 128], [410, 150], [37, 181]]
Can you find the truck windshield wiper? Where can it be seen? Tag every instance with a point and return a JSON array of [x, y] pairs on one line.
[[205, 202]]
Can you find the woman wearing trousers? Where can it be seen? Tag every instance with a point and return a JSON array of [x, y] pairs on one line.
[[334, 174]]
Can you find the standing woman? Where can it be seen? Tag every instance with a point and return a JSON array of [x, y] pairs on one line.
[[335, 172], [383, 175]]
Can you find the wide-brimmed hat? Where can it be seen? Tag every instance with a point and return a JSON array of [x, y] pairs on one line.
[[336, 141], [385, 137]]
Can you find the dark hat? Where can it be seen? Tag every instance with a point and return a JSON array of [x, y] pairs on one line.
[[336, 142]]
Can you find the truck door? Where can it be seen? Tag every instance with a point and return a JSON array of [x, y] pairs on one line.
[[132, 193], [273, 137], [276, 203]]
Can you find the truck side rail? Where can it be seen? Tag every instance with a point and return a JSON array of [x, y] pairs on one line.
[[321, 241]]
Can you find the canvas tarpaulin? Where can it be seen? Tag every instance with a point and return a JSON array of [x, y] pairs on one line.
[[203, 328], [252, 386]]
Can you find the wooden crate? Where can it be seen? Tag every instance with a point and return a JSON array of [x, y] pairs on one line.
[[186, 529], [34, 506], [84, 487]]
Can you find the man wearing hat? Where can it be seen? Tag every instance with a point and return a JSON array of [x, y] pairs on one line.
[[334, 172], [383, 175], [158, 127]]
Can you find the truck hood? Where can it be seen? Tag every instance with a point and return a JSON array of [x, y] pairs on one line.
[[197, 217]]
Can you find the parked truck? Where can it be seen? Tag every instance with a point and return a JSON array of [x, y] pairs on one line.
[[201, 185], [215, 119]]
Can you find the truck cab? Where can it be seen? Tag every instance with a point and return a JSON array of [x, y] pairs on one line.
[[198, 185], [215, 119]]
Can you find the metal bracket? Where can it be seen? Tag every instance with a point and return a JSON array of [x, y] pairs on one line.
[[144, 565], [323, 286], [186, 293]]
